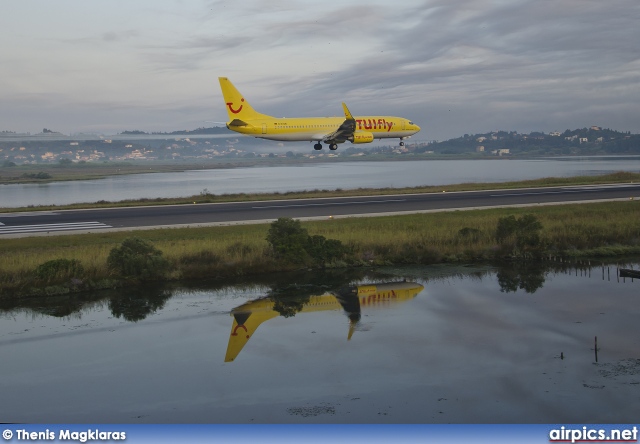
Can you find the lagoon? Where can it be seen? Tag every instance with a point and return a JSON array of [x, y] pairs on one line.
[[328, 176], [419, 344]]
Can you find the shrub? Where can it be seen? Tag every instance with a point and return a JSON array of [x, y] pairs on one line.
[[138, 258], [469, 234], [40, 175], [288, 239], [290, 242], [520, 234], [324, 250], [59, 269]]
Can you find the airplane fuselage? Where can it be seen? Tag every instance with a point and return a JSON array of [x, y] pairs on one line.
[[316, 128], [250, 315]]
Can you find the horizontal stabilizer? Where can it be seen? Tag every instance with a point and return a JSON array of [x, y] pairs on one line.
[[238, 122]]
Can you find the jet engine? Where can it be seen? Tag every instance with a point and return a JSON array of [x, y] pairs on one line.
[[361, 137]]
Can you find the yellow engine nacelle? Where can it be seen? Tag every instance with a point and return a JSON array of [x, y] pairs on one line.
[[361, 137]]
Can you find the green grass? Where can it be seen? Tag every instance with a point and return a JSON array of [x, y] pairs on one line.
[[611, 228]]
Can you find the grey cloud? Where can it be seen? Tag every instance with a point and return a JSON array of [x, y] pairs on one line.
[[514, 60], [192, 53], [113, 36], [106, 37], [453, 66], [338, 24]]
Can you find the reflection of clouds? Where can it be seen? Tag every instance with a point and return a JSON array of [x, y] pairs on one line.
[[561, 315]]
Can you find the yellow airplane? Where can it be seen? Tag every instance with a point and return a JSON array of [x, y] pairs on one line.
[[248, 316], [330, 130]]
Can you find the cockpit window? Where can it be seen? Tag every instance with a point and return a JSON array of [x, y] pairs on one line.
[[411, 123]]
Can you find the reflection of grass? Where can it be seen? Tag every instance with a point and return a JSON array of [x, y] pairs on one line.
[[206, 197], [611, 228]]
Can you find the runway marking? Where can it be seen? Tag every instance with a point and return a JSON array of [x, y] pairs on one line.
[[14, 229], [541, 192], [329, 204], [29, 213]]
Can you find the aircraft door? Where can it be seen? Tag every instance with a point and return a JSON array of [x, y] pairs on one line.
[[264, 128], [402, 125]]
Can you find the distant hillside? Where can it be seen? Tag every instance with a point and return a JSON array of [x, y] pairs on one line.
[[197, 131], [585, 141], [210, 143]]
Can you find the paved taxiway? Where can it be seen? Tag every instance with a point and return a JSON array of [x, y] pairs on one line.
[[91, 220]]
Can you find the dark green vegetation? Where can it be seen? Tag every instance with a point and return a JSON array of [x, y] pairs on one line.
[[137, 258], [292, 243], [520, 237], [63, 264]]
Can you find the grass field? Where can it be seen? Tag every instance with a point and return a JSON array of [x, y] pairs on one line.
[[593, 229]]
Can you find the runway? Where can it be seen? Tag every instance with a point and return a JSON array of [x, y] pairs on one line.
[[135, 218]]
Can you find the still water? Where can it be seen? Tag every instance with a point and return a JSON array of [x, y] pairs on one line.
[[422, 344], [325, 176]]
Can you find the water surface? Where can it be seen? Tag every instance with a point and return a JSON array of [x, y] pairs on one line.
[[324, 176], [399, 345]]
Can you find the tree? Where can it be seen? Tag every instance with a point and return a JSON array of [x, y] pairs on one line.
[[519, 234], [138, 258], [290, 242], [288, 239]]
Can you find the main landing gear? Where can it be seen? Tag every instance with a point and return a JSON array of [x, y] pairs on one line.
[[401, 142], [332, 146]]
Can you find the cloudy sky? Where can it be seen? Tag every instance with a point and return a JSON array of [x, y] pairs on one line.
[[452, 66]]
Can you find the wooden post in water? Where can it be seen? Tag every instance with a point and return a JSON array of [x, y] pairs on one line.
[[595, 348]]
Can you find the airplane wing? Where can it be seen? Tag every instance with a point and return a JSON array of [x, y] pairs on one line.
[[345, 131]]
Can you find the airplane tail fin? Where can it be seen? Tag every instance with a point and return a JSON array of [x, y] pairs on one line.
[[237, 107], [246, 319]]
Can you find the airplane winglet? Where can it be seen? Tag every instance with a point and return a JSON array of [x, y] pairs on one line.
[[352, 328], [347, 113]]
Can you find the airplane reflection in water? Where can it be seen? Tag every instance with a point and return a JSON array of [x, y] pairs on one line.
[[248, 316]]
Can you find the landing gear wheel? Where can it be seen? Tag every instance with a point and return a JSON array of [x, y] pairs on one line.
[[333, 146], [401, 143], [317, 146]]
